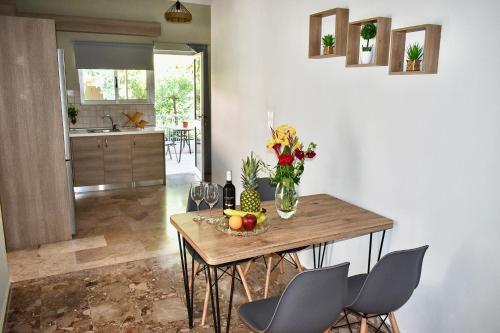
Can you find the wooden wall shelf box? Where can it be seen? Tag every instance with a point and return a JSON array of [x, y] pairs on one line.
[[431, 49], [382, 42], [341, 22]]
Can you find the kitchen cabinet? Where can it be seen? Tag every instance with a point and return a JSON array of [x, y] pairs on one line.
[[88, 161], [148, 157], [34, 188], [118, 158]]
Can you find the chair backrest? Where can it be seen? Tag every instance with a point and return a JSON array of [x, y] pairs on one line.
[[391, 282], [191, 205], [266, 189], [312, 301]]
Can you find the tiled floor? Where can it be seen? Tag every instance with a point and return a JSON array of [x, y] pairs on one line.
[[139, 296], [112, 227], [121, 273], [186, 165]]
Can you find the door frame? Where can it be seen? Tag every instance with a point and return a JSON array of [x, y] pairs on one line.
[[207, 111]]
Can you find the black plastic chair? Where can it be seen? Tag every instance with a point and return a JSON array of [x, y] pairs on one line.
[[267, 192], [170, 143], [311, 303], [386, 288], [200, 263]]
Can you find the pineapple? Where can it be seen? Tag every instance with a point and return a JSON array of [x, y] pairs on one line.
[[250, 198]]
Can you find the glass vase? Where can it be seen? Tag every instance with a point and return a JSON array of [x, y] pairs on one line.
[[286, 199]]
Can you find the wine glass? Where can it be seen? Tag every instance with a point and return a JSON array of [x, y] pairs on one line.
[[211, 196], [197, 189]]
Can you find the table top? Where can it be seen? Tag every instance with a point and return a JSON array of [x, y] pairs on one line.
[[319, 218]]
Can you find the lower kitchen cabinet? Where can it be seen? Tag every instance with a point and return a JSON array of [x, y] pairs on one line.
[[148, 157], [88, 160], [117, 159], [114, 159]]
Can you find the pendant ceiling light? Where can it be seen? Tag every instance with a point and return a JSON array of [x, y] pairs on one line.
[[178, 13]]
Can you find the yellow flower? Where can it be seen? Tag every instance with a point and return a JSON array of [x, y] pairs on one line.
[[270, 143], [285, 131], [298, 145]]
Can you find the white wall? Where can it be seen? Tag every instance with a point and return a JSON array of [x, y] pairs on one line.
[[4, 275], [422, 150]]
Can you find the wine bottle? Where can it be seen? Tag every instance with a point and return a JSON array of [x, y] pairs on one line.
[[229, 193]]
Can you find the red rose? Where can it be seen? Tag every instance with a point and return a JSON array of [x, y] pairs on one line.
[[311, 154], [299, 154], [277, 148], [285, 159]]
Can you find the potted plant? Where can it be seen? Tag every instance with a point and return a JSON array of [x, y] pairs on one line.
[[368, 32], [328, 44], [414, 53], [286, 174], [72, 113]]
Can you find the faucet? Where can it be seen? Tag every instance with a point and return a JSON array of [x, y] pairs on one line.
[[113, 125]]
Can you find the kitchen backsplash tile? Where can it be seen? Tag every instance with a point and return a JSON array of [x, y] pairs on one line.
[[90, 115]]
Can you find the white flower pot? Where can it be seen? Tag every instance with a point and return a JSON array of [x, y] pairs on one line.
[[366, 57]]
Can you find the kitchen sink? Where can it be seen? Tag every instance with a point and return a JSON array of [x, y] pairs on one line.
[[102, 130]]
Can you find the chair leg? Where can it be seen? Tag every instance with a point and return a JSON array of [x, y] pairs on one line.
[[364, 326], [196, 270], [247, 267], [394, 323], [282, 266], [168, 151], [297, 262], [244, 281], [205, 304], [268, 275]]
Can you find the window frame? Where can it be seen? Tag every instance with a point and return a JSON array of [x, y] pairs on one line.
[[150, 89]]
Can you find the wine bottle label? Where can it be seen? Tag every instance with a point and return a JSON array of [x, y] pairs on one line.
[[229, 203]]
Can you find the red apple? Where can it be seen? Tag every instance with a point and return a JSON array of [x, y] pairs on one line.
[[249, 222]]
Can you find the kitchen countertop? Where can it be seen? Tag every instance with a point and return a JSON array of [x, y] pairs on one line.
[[81, 132]]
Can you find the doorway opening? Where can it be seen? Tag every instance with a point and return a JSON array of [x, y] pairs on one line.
[[179, 111]]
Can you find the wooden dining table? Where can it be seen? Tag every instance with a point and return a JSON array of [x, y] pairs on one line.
[[320, 219]]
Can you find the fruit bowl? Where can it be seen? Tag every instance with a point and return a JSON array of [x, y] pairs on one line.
[[223, 226]]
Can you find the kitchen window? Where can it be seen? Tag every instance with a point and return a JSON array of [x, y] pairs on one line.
[[110, 86]]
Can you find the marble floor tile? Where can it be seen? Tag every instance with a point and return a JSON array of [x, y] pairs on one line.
[[121, 272], [112, 227], [140, 296]]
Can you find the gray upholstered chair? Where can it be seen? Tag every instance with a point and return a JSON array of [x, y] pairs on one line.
[[311, 303], [267, 192], [199, 264], [386, 288]]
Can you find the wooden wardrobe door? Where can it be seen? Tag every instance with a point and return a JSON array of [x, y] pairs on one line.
[[33, 184]]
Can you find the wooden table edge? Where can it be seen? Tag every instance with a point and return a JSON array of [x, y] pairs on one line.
[[388, 225]]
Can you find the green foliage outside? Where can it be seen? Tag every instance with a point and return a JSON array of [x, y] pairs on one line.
[[132, 84], [368, 32], [174, 89], [178, 92], [415, 52]]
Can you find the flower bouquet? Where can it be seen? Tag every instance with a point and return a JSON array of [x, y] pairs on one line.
[[286, 174]]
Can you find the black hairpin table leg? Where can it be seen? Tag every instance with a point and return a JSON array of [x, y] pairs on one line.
[[231, 298], [319, 259], [381, 245], [370, 253], [379, 250], [185, 277], [214, 313]]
